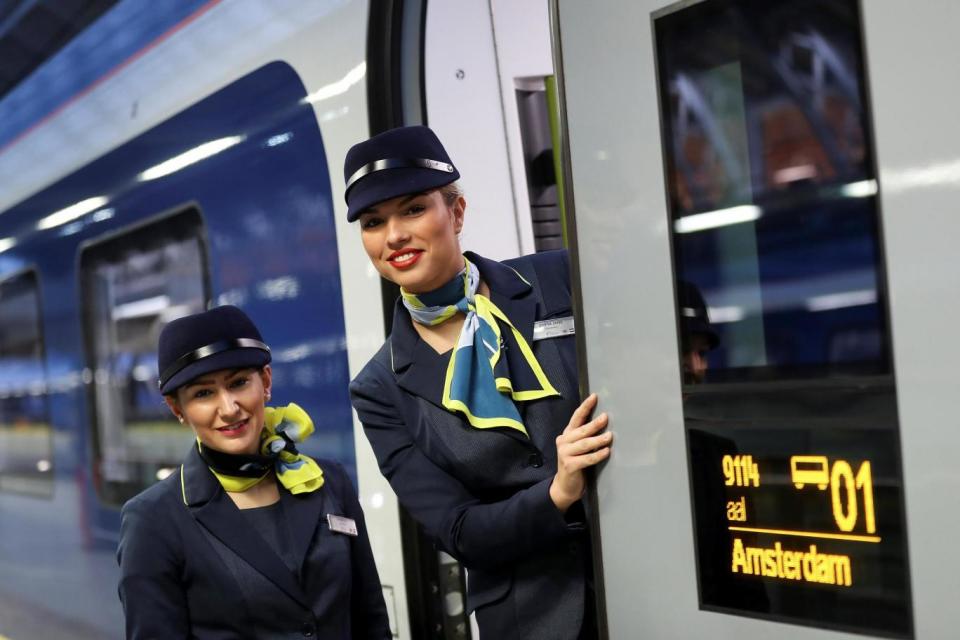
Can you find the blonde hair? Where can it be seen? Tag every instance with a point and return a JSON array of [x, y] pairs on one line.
[[451, 192]]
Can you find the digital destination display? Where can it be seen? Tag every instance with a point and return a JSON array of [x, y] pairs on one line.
[[802, 524], [789, 394], [845, 490]]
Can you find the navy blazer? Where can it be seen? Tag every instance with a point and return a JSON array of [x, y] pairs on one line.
[[483, 494], [192, 566]]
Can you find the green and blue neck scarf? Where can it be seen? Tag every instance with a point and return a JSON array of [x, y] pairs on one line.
[[478, 382], [283, 427]]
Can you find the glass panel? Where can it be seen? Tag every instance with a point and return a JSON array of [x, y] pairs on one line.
[[771, 189], [26, 444], [797, 487], [132, 286]]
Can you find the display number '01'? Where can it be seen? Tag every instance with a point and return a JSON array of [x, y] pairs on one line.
[[844, 488]]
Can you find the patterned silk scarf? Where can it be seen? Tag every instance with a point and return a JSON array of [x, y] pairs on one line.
[[282, 428], [478, 382]]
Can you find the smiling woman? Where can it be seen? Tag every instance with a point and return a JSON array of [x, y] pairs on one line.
[[223, 408], [471, 404], [291, 547], [399, 233]]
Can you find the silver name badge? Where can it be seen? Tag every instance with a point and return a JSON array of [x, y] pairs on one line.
[[342, 524], [554, 328]]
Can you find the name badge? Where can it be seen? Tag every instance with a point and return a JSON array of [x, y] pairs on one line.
[[342, 524], [555, 328]]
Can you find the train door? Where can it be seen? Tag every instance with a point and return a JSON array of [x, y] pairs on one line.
[[761, 240]]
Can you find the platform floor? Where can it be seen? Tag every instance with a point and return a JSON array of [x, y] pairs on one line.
[[22, 621]]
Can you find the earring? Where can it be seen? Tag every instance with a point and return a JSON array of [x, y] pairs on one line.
[[267, 394], [180, 418]]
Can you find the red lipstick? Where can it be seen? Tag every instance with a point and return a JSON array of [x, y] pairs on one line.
[[404, 258], [234, 429]]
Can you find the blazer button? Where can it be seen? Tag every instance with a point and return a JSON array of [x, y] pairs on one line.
[[308, 629], [535, 460]]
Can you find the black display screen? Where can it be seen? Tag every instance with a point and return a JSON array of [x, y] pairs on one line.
[[789, 393], [801, 518]]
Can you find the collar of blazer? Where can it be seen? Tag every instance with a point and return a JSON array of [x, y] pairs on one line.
[[420, 369], [210, 505]]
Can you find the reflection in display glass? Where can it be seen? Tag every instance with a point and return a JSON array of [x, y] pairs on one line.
[[795, 467], [772, 192]]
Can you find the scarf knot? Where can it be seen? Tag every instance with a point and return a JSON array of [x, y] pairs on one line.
[[283, 427], [478, 382]]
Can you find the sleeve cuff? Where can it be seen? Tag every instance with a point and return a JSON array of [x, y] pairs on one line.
[[554, 523]]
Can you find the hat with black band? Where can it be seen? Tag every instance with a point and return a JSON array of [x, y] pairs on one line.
[[218, 339], [394, 163]]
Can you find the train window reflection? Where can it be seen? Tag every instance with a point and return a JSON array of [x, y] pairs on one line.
[[772, 193], [26, 450], [133, 284]]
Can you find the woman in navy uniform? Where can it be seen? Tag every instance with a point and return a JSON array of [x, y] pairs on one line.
[[248, 538], [471, 405]]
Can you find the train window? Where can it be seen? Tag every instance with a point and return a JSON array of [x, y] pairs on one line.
[[133, 284], [772, 192], [796, 486], [26, 440]]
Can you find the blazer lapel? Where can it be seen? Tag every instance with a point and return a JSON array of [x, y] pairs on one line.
[[303, 513], [216, 512], [522, 312]]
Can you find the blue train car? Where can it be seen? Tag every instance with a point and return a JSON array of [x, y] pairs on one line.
[[227, 200]]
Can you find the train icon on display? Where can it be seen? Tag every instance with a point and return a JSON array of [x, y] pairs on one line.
[[806, 470]]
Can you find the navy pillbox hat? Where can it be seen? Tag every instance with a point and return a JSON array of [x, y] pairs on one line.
[[222, 338], [394, 163]]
